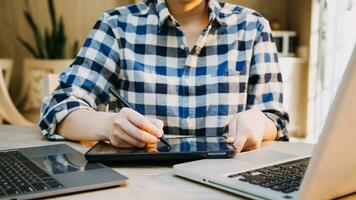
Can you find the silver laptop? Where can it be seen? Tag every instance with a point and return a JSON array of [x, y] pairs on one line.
[[293, 170], [35, 172]]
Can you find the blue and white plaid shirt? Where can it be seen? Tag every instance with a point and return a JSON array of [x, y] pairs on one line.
[[141, 51]]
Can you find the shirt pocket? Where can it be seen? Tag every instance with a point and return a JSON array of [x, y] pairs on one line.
[[223, 91], [225, 78]]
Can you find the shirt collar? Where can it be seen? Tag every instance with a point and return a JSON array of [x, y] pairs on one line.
[[216, 12], [214, 8], [162, 11]]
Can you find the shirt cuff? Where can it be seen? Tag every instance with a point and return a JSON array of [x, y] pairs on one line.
[[282, 132], [60, 111]]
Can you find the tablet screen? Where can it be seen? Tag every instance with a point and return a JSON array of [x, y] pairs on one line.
[[188, 144]]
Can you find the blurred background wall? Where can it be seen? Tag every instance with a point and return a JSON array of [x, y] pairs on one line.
[[79, 17]]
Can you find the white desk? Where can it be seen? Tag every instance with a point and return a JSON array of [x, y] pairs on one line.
[[145, 182]]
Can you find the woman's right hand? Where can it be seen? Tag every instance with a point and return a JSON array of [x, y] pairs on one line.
[[131, 129]]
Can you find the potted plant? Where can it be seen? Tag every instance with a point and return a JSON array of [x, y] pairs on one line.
[[49, 56]]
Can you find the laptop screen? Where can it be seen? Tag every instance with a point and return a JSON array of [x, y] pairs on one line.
[[64, 163]]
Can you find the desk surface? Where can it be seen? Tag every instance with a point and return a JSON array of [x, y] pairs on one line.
[[145, 182]]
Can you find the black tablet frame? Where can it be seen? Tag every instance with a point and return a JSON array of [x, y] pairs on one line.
[[174, 157]]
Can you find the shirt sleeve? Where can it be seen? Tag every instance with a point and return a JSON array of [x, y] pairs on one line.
[[265, 91], [84, 84]]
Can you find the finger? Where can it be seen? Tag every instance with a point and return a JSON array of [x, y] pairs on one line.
[[131, 141], [151, 149], [252, 146], [232, 130], [124, 145], [150, 145], [143, 123], [136, 132], [159, 124], [240, 141], [115, 141]]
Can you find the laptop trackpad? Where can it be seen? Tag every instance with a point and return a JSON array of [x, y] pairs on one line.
[[263, 157]]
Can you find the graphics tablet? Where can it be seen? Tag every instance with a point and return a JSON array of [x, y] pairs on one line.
[[183, 149]]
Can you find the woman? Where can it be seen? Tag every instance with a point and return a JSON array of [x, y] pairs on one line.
[[189, 67]]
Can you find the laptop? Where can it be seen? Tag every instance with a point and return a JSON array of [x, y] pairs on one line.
[[35, 172], [293, 170]]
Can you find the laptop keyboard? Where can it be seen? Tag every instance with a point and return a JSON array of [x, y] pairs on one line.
[[284, 177], [19, 175]]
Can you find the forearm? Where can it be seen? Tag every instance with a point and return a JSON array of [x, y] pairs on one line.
[[270, 130], [85, 124]]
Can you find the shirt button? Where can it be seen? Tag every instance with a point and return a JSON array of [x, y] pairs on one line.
[[182, 46]]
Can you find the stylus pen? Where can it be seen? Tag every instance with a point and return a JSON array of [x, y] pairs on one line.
[[127, 104]]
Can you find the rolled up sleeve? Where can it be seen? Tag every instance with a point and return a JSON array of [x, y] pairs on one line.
[[265, 91], [84, 84]]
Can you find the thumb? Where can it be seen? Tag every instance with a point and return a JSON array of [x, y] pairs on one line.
[[240, 141], [232, 130]]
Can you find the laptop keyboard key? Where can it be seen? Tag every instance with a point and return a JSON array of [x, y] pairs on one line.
[[12, 191], [25, 189], [40, 186], [285, 177], [279, 187]]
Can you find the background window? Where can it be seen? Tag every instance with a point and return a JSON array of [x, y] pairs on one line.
[[335, 42]]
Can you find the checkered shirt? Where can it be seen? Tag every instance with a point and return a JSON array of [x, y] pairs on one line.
[[141, 51]]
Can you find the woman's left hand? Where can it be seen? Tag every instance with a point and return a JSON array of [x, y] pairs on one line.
[[247, 130]]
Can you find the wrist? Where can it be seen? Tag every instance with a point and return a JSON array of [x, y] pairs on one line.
[[107, 126], [270, 130]]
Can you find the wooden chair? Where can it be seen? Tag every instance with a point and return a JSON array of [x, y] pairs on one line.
[[8, 110], [6, 68], [35, 70]]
